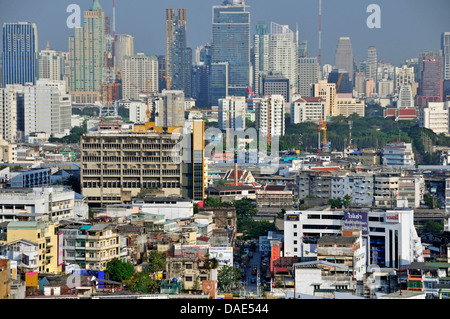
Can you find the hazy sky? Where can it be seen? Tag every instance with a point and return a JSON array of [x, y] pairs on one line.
[[407, 26]]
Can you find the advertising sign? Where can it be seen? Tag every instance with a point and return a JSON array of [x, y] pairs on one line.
[[356, 221], [224, 255], [60, 249], [292, 217], [392, 217]]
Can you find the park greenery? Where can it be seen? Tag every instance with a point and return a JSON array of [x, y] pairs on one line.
[[372, 131]]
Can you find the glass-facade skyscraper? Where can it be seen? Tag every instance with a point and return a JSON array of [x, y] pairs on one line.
[[178, 56], [344, 58], [231, 44], [20, 53]]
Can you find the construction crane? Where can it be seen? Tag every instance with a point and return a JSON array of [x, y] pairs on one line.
[[168, 81], [148, 101]]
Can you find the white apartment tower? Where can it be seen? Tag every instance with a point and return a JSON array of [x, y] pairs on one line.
[[48, 108], [270, 116], [283, 53], [140, 73], [232, 113], [51, 64]]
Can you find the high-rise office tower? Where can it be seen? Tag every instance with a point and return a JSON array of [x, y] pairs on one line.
[[200, 76], [51, 64], [231, 45], [20, 53], [430, 85], [138, 70], [437, 55], [283, 52], [342, 80], [87, 49], [308, 74], [445, 47], [124, 47], [344, 58], [178, 56], [260, 56]]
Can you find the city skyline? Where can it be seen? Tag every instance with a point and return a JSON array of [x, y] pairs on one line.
[[405, 23]]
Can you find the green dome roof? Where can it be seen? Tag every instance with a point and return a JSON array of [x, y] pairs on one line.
[[96, 6]]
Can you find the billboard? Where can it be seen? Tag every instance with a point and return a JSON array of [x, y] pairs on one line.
[[356, 221], [291, 217], [224, 255], [60, 248]]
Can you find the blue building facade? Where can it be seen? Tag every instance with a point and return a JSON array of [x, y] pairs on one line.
[[20, 53], [231, 44]]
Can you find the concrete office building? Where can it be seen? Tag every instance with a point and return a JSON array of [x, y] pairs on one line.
[[131, 162], [405, 76], [389, 236], [308, 74], [305, 109], [347, 105]]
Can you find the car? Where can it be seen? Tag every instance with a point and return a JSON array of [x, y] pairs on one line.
[[253, 280]]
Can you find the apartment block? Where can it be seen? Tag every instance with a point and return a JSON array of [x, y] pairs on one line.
[[48, 238]]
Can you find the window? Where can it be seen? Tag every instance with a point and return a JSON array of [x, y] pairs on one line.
[[188, 278]]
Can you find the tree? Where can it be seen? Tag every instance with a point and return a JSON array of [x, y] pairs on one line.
[[433, 227], [119, 270], [211, 202], [142, 282], [228, 276], [156, 261]]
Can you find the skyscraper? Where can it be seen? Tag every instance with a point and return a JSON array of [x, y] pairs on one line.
[[261, 55], [283, 52], [430, 85], [51, 64], [87, 49], [372, 63], [445, 47], [308, 74], [137, 71], [124, 47], [20, 53], [231, 45], [344, 58], [178, 56]]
